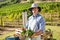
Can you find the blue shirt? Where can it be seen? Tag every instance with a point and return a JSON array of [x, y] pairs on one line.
[[36, 23]]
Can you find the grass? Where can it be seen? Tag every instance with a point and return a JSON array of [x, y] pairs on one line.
[[55, 29]]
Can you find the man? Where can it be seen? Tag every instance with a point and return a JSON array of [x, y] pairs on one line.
[[36, 22]]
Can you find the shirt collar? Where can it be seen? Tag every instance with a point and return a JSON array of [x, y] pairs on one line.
[[36, 15]]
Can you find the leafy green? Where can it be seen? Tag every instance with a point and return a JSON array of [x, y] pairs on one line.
[[23, 33], [29, 33]]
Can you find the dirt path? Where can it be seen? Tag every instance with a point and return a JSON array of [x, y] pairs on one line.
[[6, 30]]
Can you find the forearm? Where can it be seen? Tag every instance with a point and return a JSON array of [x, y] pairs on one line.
[[39, 32]]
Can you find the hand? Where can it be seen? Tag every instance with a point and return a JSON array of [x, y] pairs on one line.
[[39, 32], [34, 35]]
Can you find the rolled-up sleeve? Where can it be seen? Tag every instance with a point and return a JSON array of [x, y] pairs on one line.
[[42, 24]]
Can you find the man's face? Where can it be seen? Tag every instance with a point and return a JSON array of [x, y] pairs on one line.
[[35, 10]]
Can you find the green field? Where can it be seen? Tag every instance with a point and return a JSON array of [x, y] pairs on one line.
[[14, 11], [55, 29], [11, 11]]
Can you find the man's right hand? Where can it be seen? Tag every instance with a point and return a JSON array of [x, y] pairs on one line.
[[36, 34]]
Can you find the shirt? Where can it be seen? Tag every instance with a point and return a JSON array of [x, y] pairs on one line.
[[36, 23]]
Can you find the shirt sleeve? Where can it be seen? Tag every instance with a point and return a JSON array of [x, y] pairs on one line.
[[42, 24]]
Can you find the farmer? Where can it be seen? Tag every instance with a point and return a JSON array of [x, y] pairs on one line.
[[36, 22]]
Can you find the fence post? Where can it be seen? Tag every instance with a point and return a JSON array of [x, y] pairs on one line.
[[24, 17]]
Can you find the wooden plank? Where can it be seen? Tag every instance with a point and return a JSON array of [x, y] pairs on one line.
[[24, 17]]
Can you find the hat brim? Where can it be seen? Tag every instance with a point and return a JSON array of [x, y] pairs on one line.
[[30, 9]]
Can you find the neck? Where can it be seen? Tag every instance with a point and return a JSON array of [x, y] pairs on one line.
[[34, 14]]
